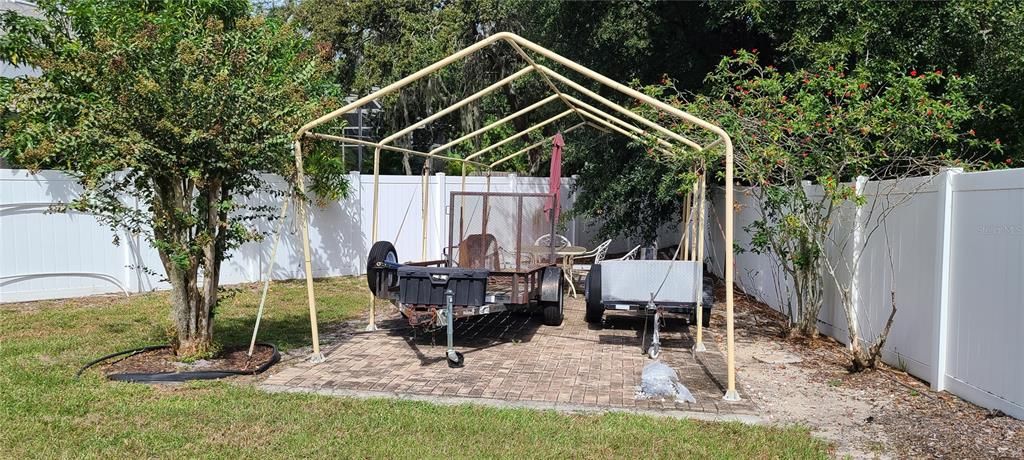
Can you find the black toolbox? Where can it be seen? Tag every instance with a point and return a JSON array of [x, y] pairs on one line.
[[427, 285]]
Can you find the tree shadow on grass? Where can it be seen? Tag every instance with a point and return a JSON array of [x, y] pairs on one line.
[[287, 333]]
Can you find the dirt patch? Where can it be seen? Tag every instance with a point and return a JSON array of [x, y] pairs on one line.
[[163, 360], [883, 413]]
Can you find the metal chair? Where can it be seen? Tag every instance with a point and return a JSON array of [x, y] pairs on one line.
[[594, 255], [560, 241], [631, 254]]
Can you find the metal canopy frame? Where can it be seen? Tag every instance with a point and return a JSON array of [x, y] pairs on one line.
[[589, 115]]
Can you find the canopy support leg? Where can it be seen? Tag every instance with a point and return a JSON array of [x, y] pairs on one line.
[[316, 357], [730, 337], [702, 223], [371, 324]]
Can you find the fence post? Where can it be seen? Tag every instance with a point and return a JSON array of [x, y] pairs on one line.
[[945, 239], [856, 252]]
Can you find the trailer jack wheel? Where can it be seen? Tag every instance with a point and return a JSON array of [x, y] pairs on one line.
[[455, 359], [653, 351]]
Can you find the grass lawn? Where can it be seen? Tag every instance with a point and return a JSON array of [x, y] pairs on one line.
[[45, 412]]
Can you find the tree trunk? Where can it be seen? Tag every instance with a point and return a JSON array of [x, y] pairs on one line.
[[191, 309], [864, 359], [192, 304]]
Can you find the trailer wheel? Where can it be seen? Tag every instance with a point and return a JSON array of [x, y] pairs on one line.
[[455, 359], [592, 294], [376, 279], [553, 311]]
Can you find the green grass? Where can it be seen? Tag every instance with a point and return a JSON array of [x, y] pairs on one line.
[[45, 412]]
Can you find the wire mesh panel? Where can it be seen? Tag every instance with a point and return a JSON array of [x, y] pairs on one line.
[[500, 231]]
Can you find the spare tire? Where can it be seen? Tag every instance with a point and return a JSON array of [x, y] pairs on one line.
[[592, 293], [380, 279]]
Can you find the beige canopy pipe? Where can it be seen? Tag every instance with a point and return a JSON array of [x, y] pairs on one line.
[[495, 124], [609, 117], [316, 357], [683, 248], [524, 45], [537, 144], [528, 59], [387, 147], [424, 211], [458, 105], [618, 108], [376, 154], [619, 130], [699, 346], [519, 134], [691, 237], [403, 82], [731, 394]]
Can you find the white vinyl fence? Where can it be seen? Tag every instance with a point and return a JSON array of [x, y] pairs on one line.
[[46, 255], [957, 243], [957, 271]]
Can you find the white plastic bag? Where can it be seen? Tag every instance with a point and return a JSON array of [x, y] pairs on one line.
[[658, 381]]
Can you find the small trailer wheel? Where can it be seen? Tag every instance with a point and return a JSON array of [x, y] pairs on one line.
[[376, 279], [455, 359], [653, 351], [552, 296], [592, 294]]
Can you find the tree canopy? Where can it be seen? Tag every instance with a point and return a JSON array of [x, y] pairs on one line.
[[169, 114]]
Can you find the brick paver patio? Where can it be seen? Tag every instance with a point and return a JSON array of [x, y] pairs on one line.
[[513, 358]]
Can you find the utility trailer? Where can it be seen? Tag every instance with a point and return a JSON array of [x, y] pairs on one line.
[[490, 265], [649, 287]]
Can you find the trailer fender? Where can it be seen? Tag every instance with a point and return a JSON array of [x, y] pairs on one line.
[[551, 285]]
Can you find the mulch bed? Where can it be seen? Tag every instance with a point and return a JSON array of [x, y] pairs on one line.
[[164, 360]]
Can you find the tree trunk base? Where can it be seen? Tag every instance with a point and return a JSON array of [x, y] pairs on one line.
[[193, 348]]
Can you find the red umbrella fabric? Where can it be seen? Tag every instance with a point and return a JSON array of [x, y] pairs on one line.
[[555, 179]]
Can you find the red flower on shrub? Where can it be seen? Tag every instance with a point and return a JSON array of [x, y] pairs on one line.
[[938, 71], [913, 73]]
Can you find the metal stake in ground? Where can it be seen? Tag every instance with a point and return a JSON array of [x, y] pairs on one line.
[[455, 358]]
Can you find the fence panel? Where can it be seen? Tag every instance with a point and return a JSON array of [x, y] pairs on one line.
[[975, 353], [986, 316], [35, 242]]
